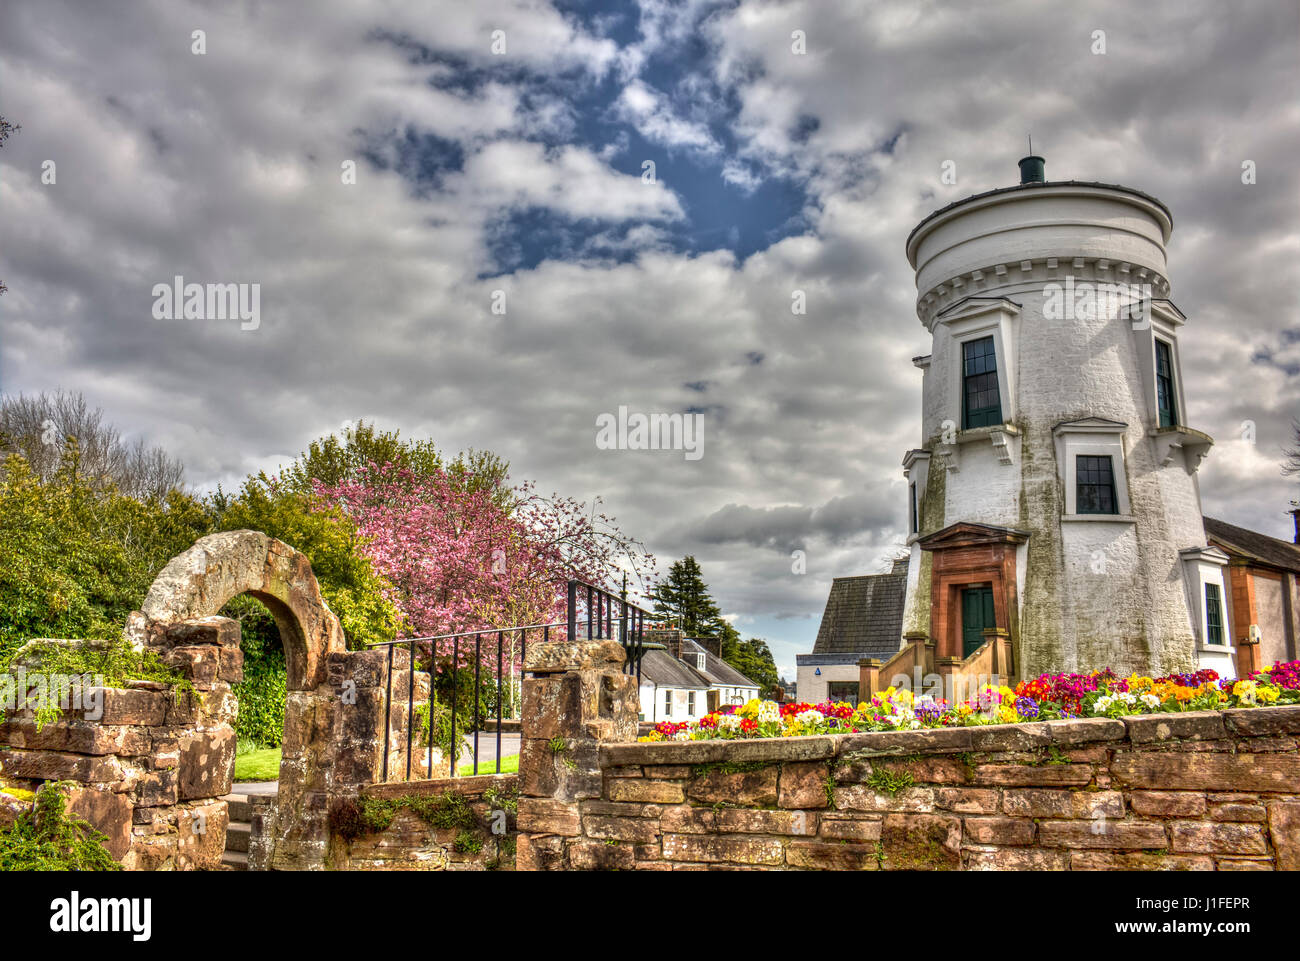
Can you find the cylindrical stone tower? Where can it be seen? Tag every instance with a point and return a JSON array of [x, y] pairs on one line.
[[1054, 496]]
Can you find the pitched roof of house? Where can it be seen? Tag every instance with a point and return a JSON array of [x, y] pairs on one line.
[[864, 615], [715, 668], [663, 670], [1258, 547]]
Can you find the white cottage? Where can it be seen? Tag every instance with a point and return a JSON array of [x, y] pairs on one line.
[[688, 679]]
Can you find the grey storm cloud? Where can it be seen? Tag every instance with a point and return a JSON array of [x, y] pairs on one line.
[[376, 297]]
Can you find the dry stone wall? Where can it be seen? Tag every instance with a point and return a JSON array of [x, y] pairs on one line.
[[1195, 791], [150, 772], [476, 833]]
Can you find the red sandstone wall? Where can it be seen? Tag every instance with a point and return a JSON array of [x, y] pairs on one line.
[[1197, 791]]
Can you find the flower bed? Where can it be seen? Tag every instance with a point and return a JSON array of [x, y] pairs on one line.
[[1049, 696]]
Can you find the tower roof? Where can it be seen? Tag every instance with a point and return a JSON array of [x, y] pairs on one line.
[[1037, 185]]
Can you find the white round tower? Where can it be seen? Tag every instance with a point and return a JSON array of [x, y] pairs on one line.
[[1054, 492]]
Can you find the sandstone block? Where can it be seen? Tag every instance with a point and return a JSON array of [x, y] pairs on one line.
[[1102, 835], [998, 830]]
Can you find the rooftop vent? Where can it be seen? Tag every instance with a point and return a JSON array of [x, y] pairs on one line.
[[1032, 170]]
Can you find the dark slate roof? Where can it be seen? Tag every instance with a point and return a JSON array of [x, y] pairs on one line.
[[715, 668], [864, 615], [662, 670], [1258, 547]]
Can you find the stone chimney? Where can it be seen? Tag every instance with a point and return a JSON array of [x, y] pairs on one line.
[[671, 638]]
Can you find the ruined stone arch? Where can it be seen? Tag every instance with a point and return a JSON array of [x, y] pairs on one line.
[[202, 580], [330, 743]]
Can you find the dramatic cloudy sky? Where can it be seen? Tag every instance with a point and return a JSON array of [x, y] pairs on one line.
[[521, 172]]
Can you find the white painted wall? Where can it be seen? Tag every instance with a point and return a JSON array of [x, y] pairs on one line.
[[1130, 612]]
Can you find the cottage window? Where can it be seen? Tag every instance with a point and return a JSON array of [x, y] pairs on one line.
[[668, 703], [982, 404], [1095, 480], [690, 703]]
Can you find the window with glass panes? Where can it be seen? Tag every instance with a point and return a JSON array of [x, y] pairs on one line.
[[1165, 399], [1213, 615], [981, 404], [1094, 479]]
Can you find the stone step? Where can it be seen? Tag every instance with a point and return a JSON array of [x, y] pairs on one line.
[[234, 861], [238, 834], [240, 809]]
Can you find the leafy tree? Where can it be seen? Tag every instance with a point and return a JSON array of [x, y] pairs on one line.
[[76, 557], [459, 560], [332, 460], [753, 658], [683, 598]]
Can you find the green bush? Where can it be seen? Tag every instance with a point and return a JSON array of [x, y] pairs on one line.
[[47, 838], [262, 692]]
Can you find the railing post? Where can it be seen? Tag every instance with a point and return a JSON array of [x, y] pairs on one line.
[[573, 611], [388, 709]]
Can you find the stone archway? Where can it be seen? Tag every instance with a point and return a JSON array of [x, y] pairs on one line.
[[332, 718], [220, 567]]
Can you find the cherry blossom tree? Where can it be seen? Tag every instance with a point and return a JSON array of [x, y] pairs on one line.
[[460, 558]]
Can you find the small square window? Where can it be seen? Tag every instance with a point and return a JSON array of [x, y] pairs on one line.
[[1094, 479]]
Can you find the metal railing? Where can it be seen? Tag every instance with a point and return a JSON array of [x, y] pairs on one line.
[[591, 612]]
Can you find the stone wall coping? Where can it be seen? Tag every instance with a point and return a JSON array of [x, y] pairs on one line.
[[474, 784], [1189, 725], [708, 752]]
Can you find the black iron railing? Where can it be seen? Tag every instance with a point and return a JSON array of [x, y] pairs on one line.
[[609, 616], [591, 613]]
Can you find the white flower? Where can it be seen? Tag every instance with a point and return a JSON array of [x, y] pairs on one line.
[[1103, 703], [1151, 701], [809, 717], [729, 722], [768, 713]]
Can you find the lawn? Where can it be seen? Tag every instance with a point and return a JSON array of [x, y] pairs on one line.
[[262, 764], [509, 765]]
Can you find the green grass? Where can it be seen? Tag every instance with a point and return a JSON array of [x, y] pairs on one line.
[[262, 764], [509, 765]]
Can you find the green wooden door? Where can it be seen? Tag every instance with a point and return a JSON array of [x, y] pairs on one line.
[[976, 615]]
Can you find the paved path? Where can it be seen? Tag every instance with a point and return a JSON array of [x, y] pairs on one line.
[[487, 750]]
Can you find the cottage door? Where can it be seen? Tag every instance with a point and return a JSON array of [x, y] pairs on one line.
[[976, 616]]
